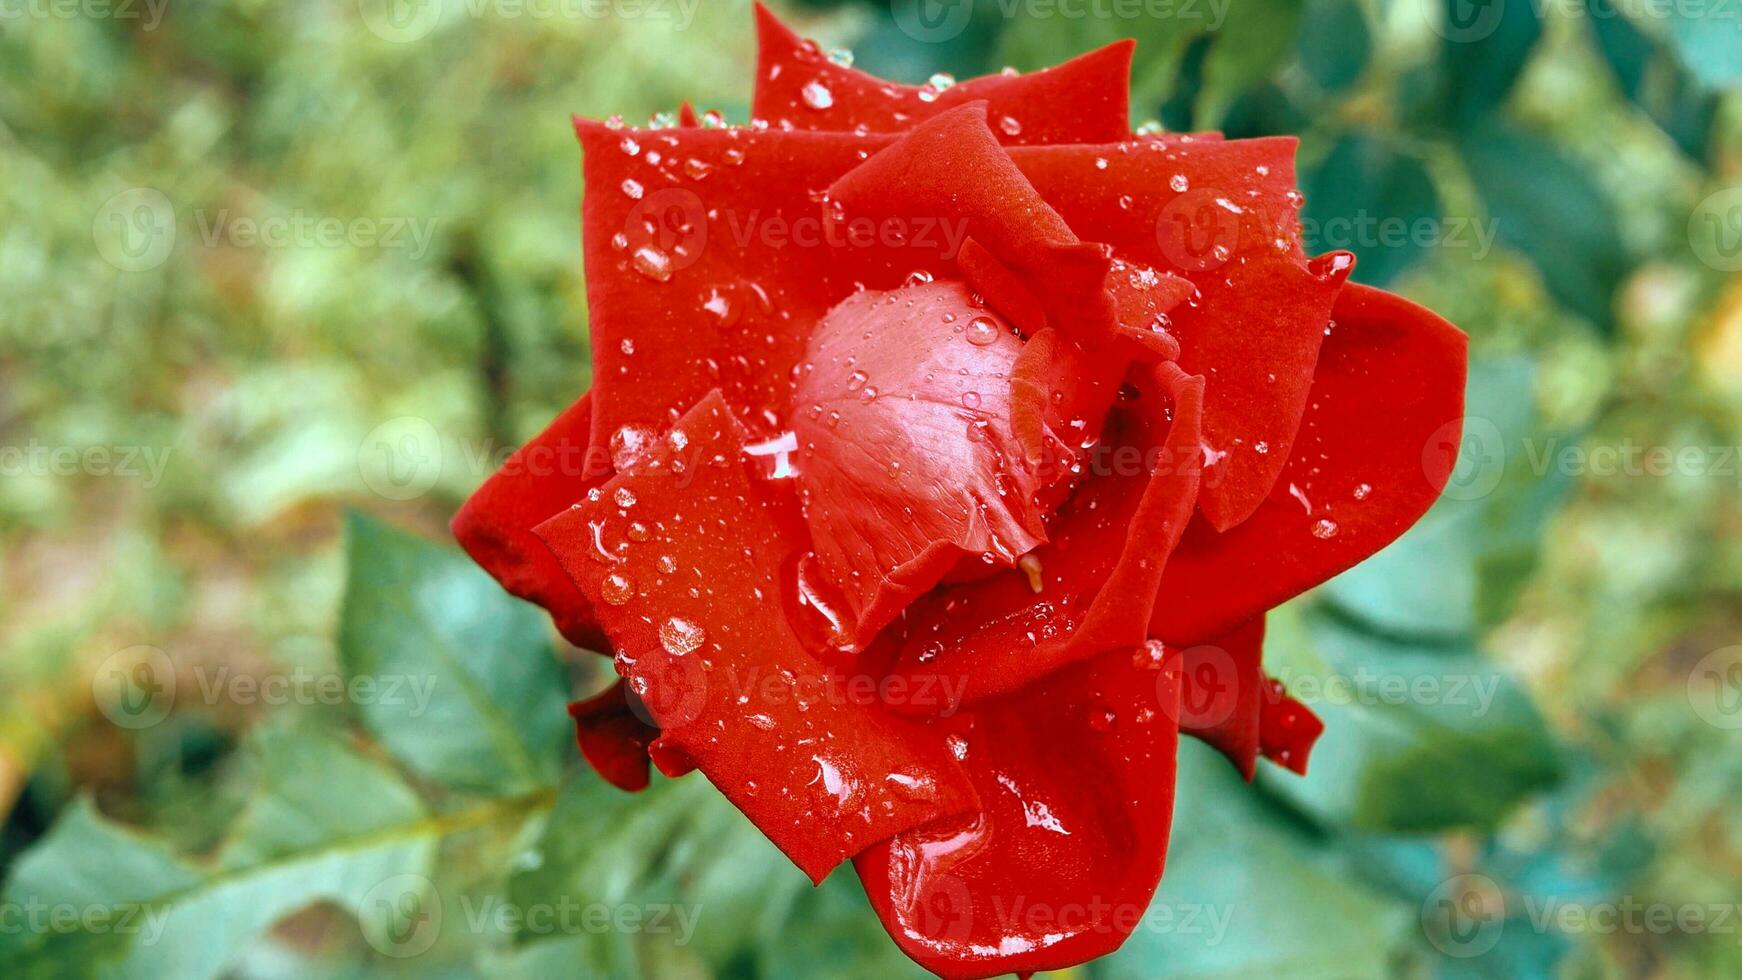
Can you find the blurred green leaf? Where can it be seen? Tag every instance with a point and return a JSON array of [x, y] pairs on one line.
[[1551, 211], [1257, 36], [1335, 43], [1417, 739], [1652, 78], [480, 695], [1369, 198], [325, 825], [1485, 53], [1249, 893]]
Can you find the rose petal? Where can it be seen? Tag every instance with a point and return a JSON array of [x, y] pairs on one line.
[[1108, 547], [1222, 215], [495, 525], [613, 738], [1084, 100], [906, 459], [1077, 777], [688, 585], [1385, 408], [1227, 701]]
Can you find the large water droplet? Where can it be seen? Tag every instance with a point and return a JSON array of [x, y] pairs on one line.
[[817, 95], [652, 263], [680, 636], [1324, 529], [616, 588], [982, 332]]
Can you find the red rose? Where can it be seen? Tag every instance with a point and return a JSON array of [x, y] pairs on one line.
[[946, 449]]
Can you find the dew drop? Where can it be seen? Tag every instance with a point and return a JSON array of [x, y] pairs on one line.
[[616, 588], [817, 95], [1179, 183], [632, 188], [1362, 491], [624, 497], [971, 399], [680, 636], [1010, 126], [652, 263], [958, 746], [982, 332], [1324, 529]]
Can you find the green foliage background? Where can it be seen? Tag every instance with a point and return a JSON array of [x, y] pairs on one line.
[[274, 383]]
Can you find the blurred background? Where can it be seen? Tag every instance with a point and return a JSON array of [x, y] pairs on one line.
[[281, 283]]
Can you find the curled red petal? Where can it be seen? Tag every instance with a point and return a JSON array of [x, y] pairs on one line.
[[1378, 442], [1084, 100], [683, 554], [1077, 778], [613, 737], [1227, 701], [906, 458], [1107, 551], [541, 478], [951, 167], [1221, 215]]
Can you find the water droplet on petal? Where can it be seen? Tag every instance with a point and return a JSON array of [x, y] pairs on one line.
[[1324, 529], [1010, 126], [1179, 183], [652, 263], [616, 588], [680, 636], [982, 332], [817, 95]]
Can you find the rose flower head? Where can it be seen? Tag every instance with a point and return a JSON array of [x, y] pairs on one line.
[[946, 448]]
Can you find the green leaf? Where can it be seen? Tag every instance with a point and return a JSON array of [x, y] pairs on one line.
[[1483, 60], [1258, 36], [1371, 199], [478, 693], [1335, 43], [1249, 893], [1652, 78], [1417, 739], [326, 824], [1552, 212], [1032, 42]]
